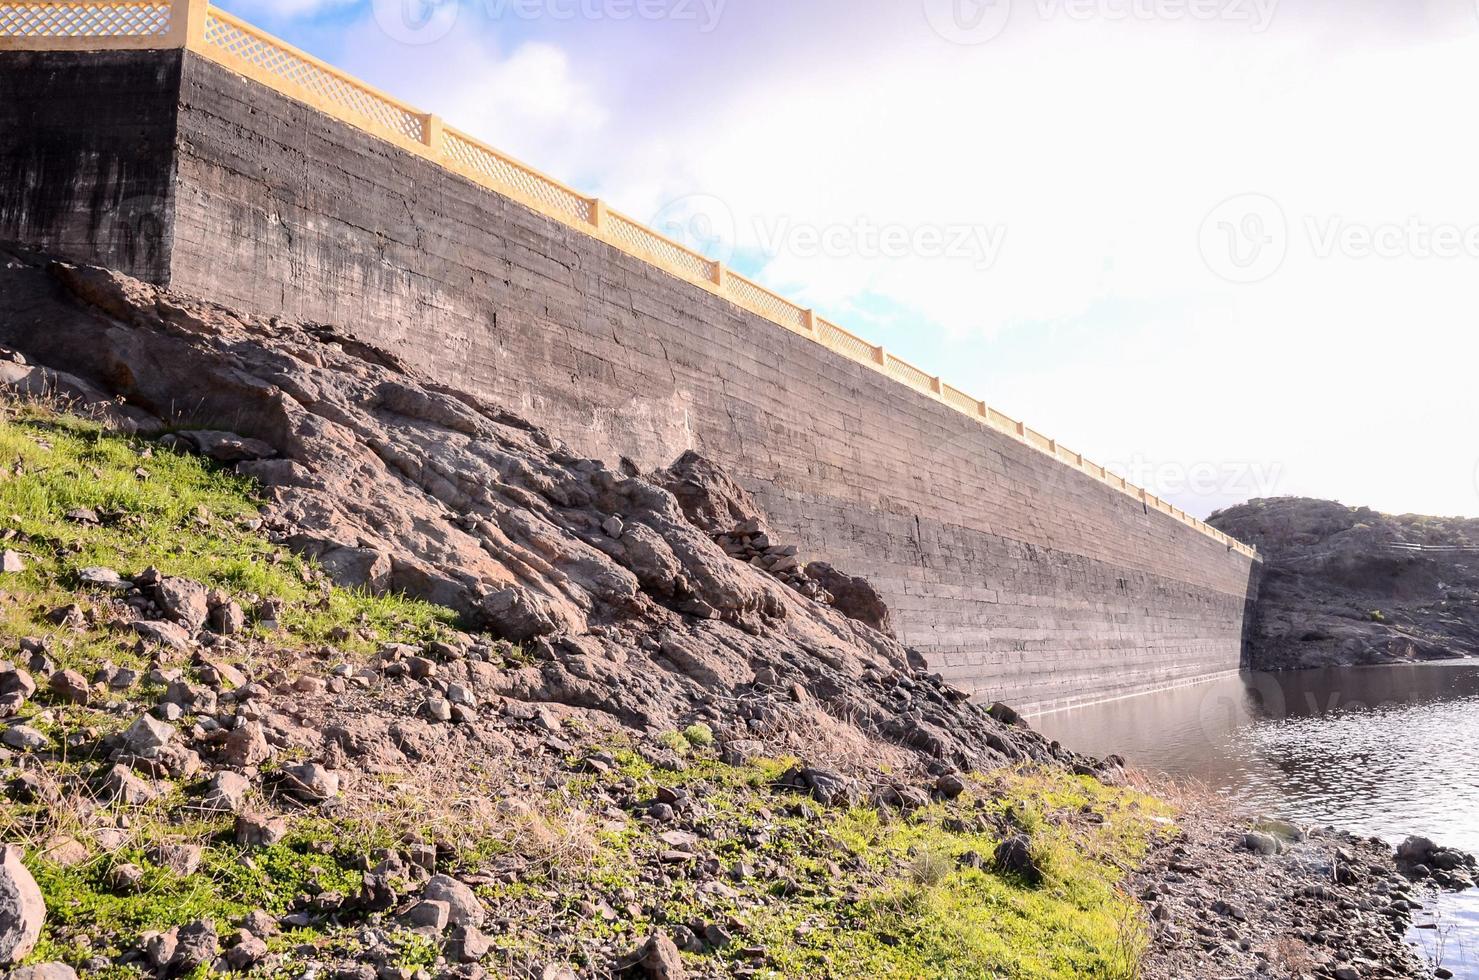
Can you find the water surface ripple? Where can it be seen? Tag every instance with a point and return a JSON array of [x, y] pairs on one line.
[[1381, 751]]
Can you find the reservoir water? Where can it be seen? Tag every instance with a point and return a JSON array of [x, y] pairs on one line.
[[1380, 751]]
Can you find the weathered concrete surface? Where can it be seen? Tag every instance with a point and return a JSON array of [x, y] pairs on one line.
[[1019, 578], [87, 154]]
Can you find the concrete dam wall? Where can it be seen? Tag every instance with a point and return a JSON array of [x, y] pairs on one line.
[[1020, 573]]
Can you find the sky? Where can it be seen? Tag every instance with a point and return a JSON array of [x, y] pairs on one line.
[[1228, 248]]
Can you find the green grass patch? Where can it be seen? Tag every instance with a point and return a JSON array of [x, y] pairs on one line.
[[179, 513]]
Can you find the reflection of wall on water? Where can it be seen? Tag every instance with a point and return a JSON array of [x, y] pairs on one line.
[[1380, 750], [1308, 693]]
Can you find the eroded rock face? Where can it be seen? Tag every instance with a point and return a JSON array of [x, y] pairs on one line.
[[612, 581], [1350, 586]]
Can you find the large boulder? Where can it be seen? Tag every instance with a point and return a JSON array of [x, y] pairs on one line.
[[22, 910], [852, 596]]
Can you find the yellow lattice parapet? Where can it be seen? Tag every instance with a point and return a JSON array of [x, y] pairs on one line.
[[637, 239], [757, 299], [92, 24], [254, 54], [849, 345], [485, 165], [243, 48]]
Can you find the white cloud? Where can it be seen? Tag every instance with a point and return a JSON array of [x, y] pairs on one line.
[[529, 101], [275, 11], [1097, 148]]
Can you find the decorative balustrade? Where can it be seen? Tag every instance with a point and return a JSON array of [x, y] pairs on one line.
[[237, 45]]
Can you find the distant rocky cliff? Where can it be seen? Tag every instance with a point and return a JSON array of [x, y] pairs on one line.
[[1347, 585]]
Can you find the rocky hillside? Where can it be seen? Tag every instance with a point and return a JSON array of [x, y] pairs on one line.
[[316, 668], [1347, 585]]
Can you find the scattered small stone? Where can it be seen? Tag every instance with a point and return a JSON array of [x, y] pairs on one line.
[[147, 736], [99, 577], [427, 914], [225, 792], [259, 830], [311, 782], [195, 946], [11, 561], [43, 971], [1261, 843], [120, 786], [1014, 856], [463, 906], [24, 738], [658, 957], [125, 877], [259, 923], [165, 634], [69, 687], [66, 851], [246, 950]]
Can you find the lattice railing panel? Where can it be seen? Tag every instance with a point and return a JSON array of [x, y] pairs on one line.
[[758, 299], [667, 252], [42, 20], [959, 399], [263, 53], [506, 174], [847, 344], [909, 374]]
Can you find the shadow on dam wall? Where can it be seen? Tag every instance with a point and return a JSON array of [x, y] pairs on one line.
[[1018, 577]]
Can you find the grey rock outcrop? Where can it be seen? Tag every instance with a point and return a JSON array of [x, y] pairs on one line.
[[644, 617], [1351, 586]]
